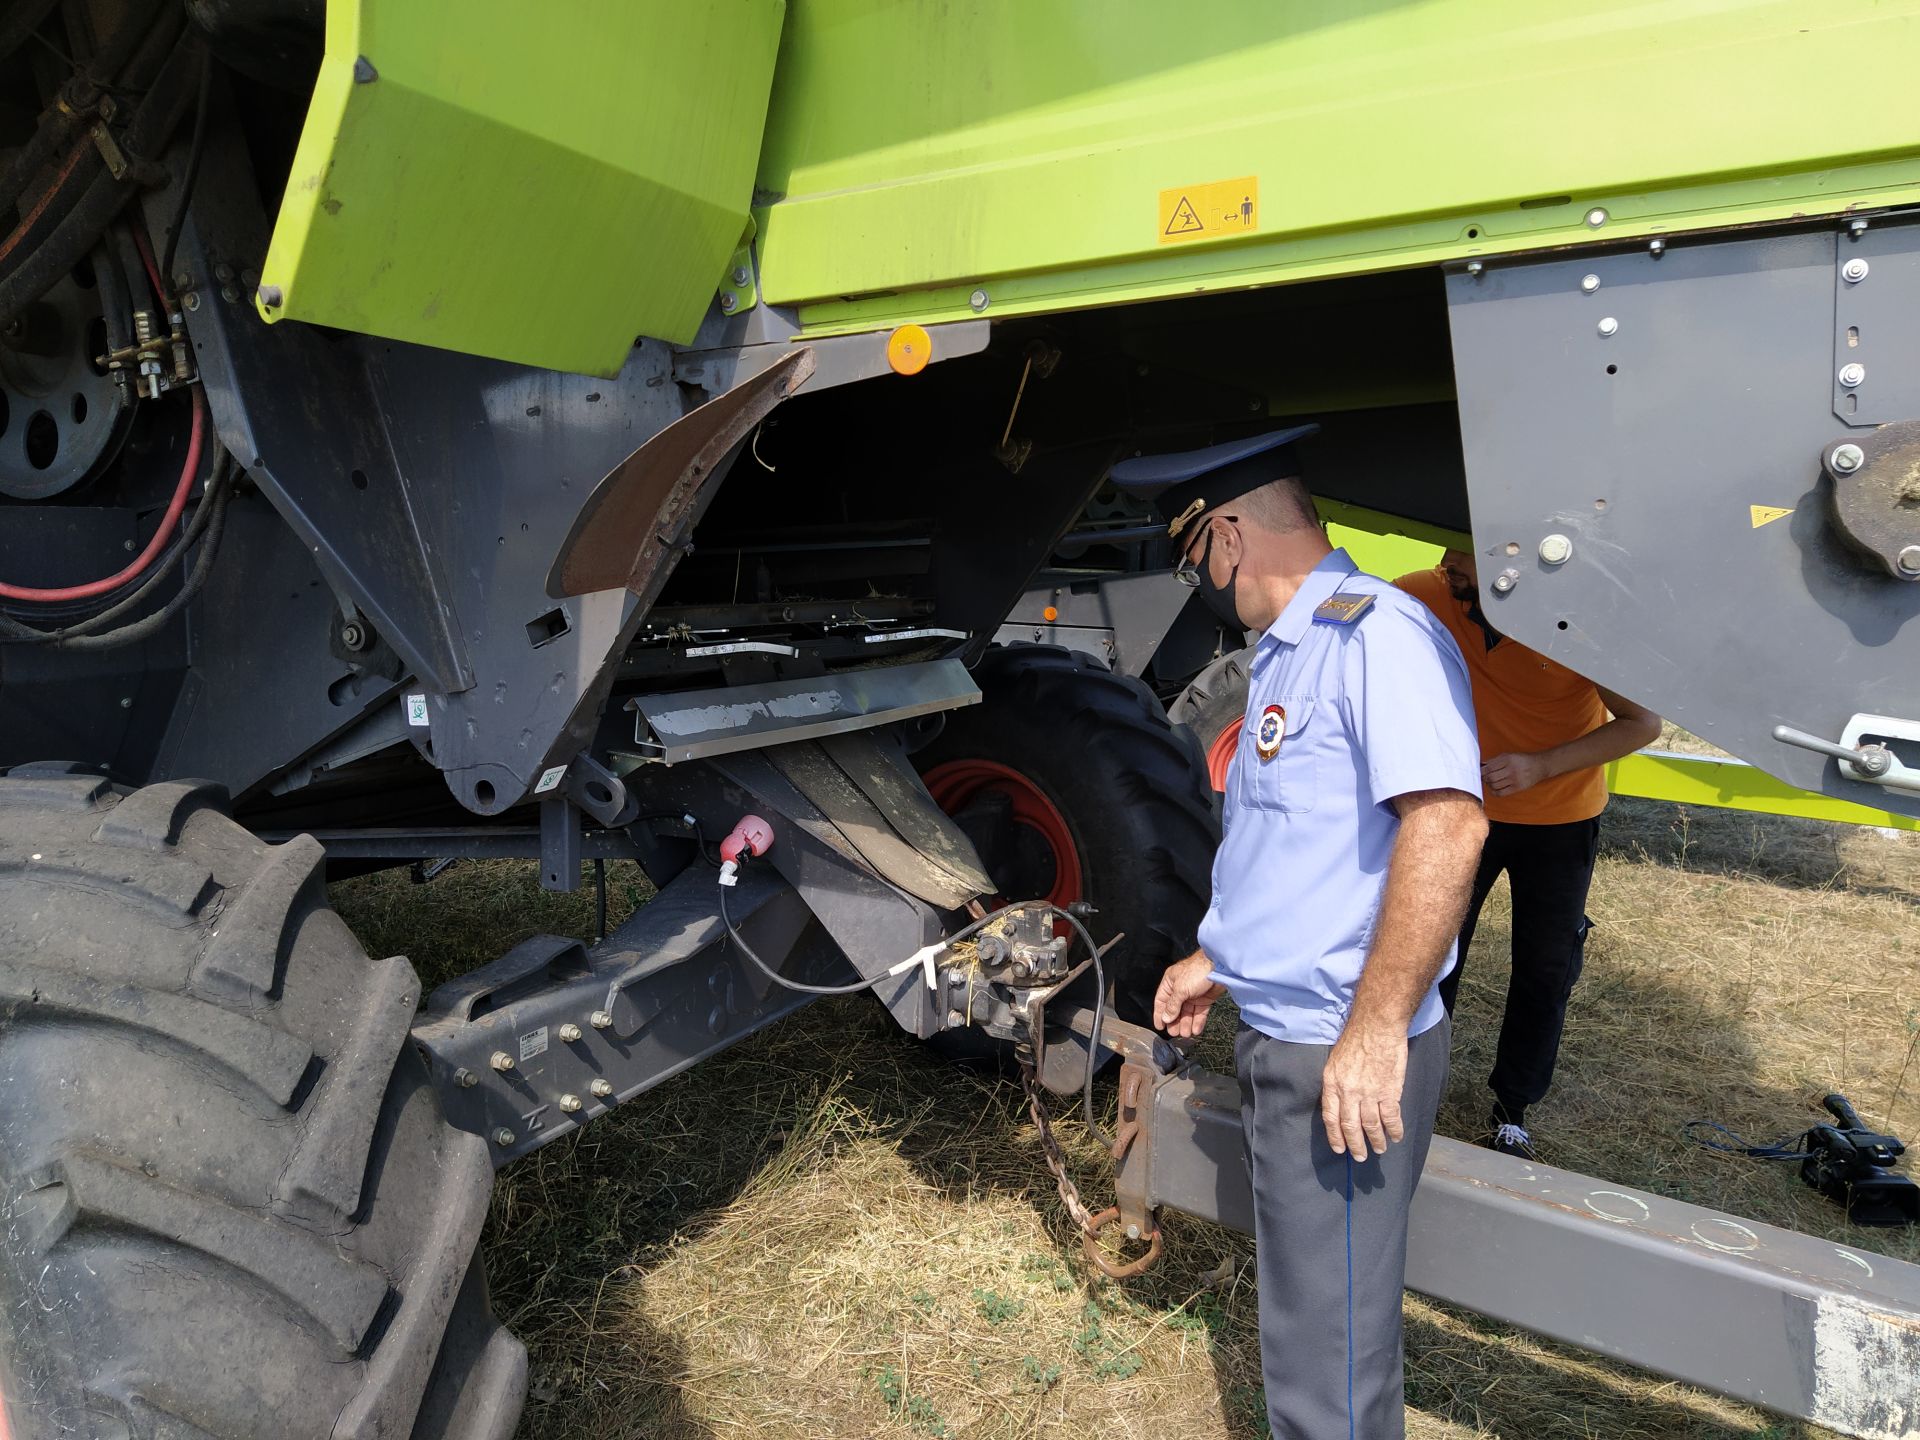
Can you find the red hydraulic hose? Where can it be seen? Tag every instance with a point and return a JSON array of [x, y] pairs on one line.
[[154, 546]]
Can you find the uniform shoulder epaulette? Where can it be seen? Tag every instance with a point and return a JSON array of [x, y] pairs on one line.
[[1342, 608]]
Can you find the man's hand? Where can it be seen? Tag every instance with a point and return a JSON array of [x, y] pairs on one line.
[[1360, 1089], [1185, 996], [1515, 771]]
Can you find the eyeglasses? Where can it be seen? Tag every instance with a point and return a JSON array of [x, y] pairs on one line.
[[1187, 572]]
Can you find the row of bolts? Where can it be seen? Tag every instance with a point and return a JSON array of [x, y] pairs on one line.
[[600, 1088]]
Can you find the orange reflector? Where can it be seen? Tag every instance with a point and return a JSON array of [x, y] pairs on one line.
[[909, 349], [1049, 614]]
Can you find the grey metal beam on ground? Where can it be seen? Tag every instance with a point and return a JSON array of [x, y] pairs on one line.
[[1797, 1324]]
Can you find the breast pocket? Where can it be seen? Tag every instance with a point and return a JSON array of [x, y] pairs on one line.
[[1287, 780]]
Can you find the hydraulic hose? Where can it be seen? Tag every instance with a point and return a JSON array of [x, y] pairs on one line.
[[162, 533], [213, 500], [70, 113], [69, 217]]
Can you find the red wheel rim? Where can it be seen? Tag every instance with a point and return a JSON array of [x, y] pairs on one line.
[[957, 783], [1220, 755]]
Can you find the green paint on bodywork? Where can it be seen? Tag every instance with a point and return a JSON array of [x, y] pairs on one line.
[[917, 155], [524, 183], [1736, 785]]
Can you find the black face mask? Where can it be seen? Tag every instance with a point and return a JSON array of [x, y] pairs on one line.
[[1219, 598]]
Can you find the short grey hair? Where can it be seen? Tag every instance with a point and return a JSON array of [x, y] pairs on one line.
[[1281, 505]]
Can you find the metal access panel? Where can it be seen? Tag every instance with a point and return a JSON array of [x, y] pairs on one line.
[[1647, 434], [528, 183]]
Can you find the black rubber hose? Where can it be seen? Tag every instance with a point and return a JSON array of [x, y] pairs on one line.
[[219, 485], [116, 295], [59, 124], [194, 149], [144, 629], [81, 226]]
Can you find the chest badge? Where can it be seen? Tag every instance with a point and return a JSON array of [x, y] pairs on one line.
[[1271, 730]]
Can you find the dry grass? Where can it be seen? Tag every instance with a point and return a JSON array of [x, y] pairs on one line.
[[826, 1231]]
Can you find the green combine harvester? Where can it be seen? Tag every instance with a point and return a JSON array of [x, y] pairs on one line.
[[436, 430]]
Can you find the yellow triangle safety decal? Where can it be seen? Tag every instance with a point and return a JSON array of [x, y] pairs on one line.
[[1183, 219], [1767, 514]]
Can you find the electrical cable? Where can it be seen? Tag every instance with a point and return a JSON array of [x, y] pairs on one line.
[[189, 471], [152, 624], [1093, 1038], [684, 818], [800, 985], [1778, 1150], [218, 481], [1099, 980]]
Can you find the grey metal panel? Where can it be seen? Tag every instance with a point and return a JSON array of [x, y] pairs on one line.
[[1120, 619], [1641, 417], [264, 687], [1874, 326], [695, 724], [504, 456], [296, 407]]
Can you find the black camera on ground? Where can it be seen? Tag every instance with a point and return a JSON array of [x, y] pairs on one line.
[[1852, 1165]]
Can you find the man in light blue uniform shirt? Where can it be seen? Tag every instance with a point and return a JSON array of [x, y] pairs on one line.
[[1352, 831]]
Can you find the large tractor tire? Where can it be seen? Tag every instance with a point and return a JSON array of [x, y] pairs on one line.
[[1074, 786], [232, 1206], [1213, 708]]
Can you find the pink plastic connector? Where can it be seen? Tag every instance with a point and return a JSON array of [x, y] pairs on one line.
[[750, 836]]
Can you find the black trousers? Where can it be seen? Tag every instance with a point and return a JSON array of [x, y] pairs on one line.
[[1550, 868]]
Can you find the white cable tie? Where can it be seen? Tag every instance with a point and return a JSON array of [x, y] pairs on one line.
[[923, 957]]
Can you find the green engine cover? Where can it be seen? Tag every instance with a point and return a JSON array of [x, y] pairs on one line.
[[533, 183]]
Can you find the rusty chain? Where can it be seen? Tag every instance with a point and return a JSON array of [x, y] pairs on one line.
[[1089, 1224], [1050, 1148]]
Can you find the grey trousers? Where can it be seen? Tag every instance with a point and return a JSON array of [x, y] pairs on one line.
[[1331, 1238]]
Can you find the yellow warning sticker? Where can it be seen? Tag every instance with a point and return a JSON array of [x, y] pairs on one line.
[[1766, 514], [1210, 212]]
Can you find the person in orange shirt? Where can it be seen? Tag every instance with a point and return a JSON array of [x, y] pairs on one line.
[[1545, 733]]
